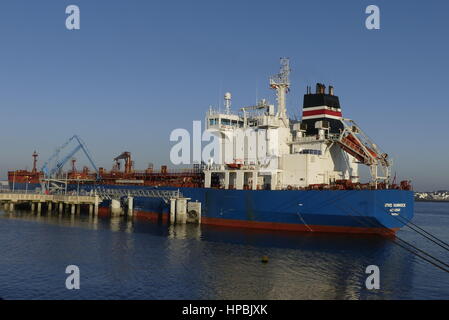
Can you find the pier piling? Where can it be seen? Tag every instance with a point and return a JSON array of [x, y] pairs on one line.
[[96, 203], [116, 209], [172, 211], [181, 210], [130, 206]]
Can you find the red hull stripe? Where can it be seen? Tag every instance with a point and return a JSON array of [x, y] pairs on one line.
[[144, 215], [322, 111], [153, 216]]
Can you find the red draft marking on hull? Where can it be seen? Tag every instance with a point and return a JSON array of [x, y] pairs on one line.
[[164, 217]]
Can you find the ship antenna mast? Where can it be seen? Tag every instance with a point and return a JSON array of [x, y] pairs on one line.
[[227, 98], [281, 84]]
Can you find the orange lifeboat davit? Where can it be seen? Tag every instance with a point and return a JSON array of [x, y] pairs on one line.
[[352, 145]]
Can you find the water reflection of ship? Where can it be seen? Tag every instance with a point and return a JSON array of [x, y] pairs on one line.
[[301, 265], [307, 266]]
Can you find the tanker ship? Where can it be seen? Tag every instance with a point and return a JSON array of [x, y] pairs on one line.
[[271, 172]]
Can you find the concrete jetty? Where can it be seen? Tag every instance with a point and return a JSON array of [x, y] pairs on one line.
[[57, 201]]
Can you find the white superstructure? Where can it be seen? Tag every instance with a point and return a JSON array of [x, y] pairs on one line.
[[261, 148]]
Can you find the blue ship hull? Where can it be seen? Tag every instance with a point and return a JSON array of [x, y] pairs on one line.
[[348, 211]]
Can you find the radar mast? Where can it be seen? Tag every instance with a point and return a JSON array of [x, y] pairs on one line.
[[281, 83]]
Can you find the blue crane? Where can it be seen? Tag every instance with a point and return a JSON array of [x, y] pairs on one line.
[[50, 171]]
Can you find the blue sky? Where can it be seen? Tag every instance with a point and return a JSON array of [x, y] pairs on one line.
[[139, 69]]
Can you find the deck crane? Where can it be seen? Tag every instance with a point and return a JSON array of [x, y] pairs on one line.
[[128, 162], [50, 171]]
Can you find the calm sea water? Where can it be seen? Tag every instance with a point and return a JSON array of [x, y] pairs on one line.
[[122, 258]]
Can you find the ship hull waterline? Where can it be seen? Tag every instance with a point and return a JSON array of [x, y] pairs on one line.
[[343, 211]]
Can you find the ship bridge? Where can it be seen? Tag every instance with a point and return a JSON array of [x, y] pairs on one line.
[[264, 149]]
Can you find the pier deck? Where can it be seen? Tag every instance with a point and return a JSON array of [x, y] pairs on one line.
[[10, 199]]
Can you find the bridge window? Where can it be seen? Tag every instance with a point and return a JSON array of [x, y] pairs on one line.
[[311, 151]]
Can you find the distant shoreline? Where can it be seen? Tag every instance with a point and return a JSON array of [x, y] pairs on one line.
[[421, 200]]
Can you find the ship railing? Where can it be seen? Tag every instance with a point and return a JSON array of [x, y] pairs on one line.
[[187, 171], [116, 193], [46, 197], [31, 191]]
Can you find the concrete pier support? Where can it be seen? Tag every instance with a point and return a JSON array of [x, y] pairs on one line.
[[11, 206], [194, 212], [181, 210], [72, 208], [39, 207], [91, 209], [61, 207], [116, 209], [96, 205], [130, 206], [33, 206], [172, 211], [78, 208]]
